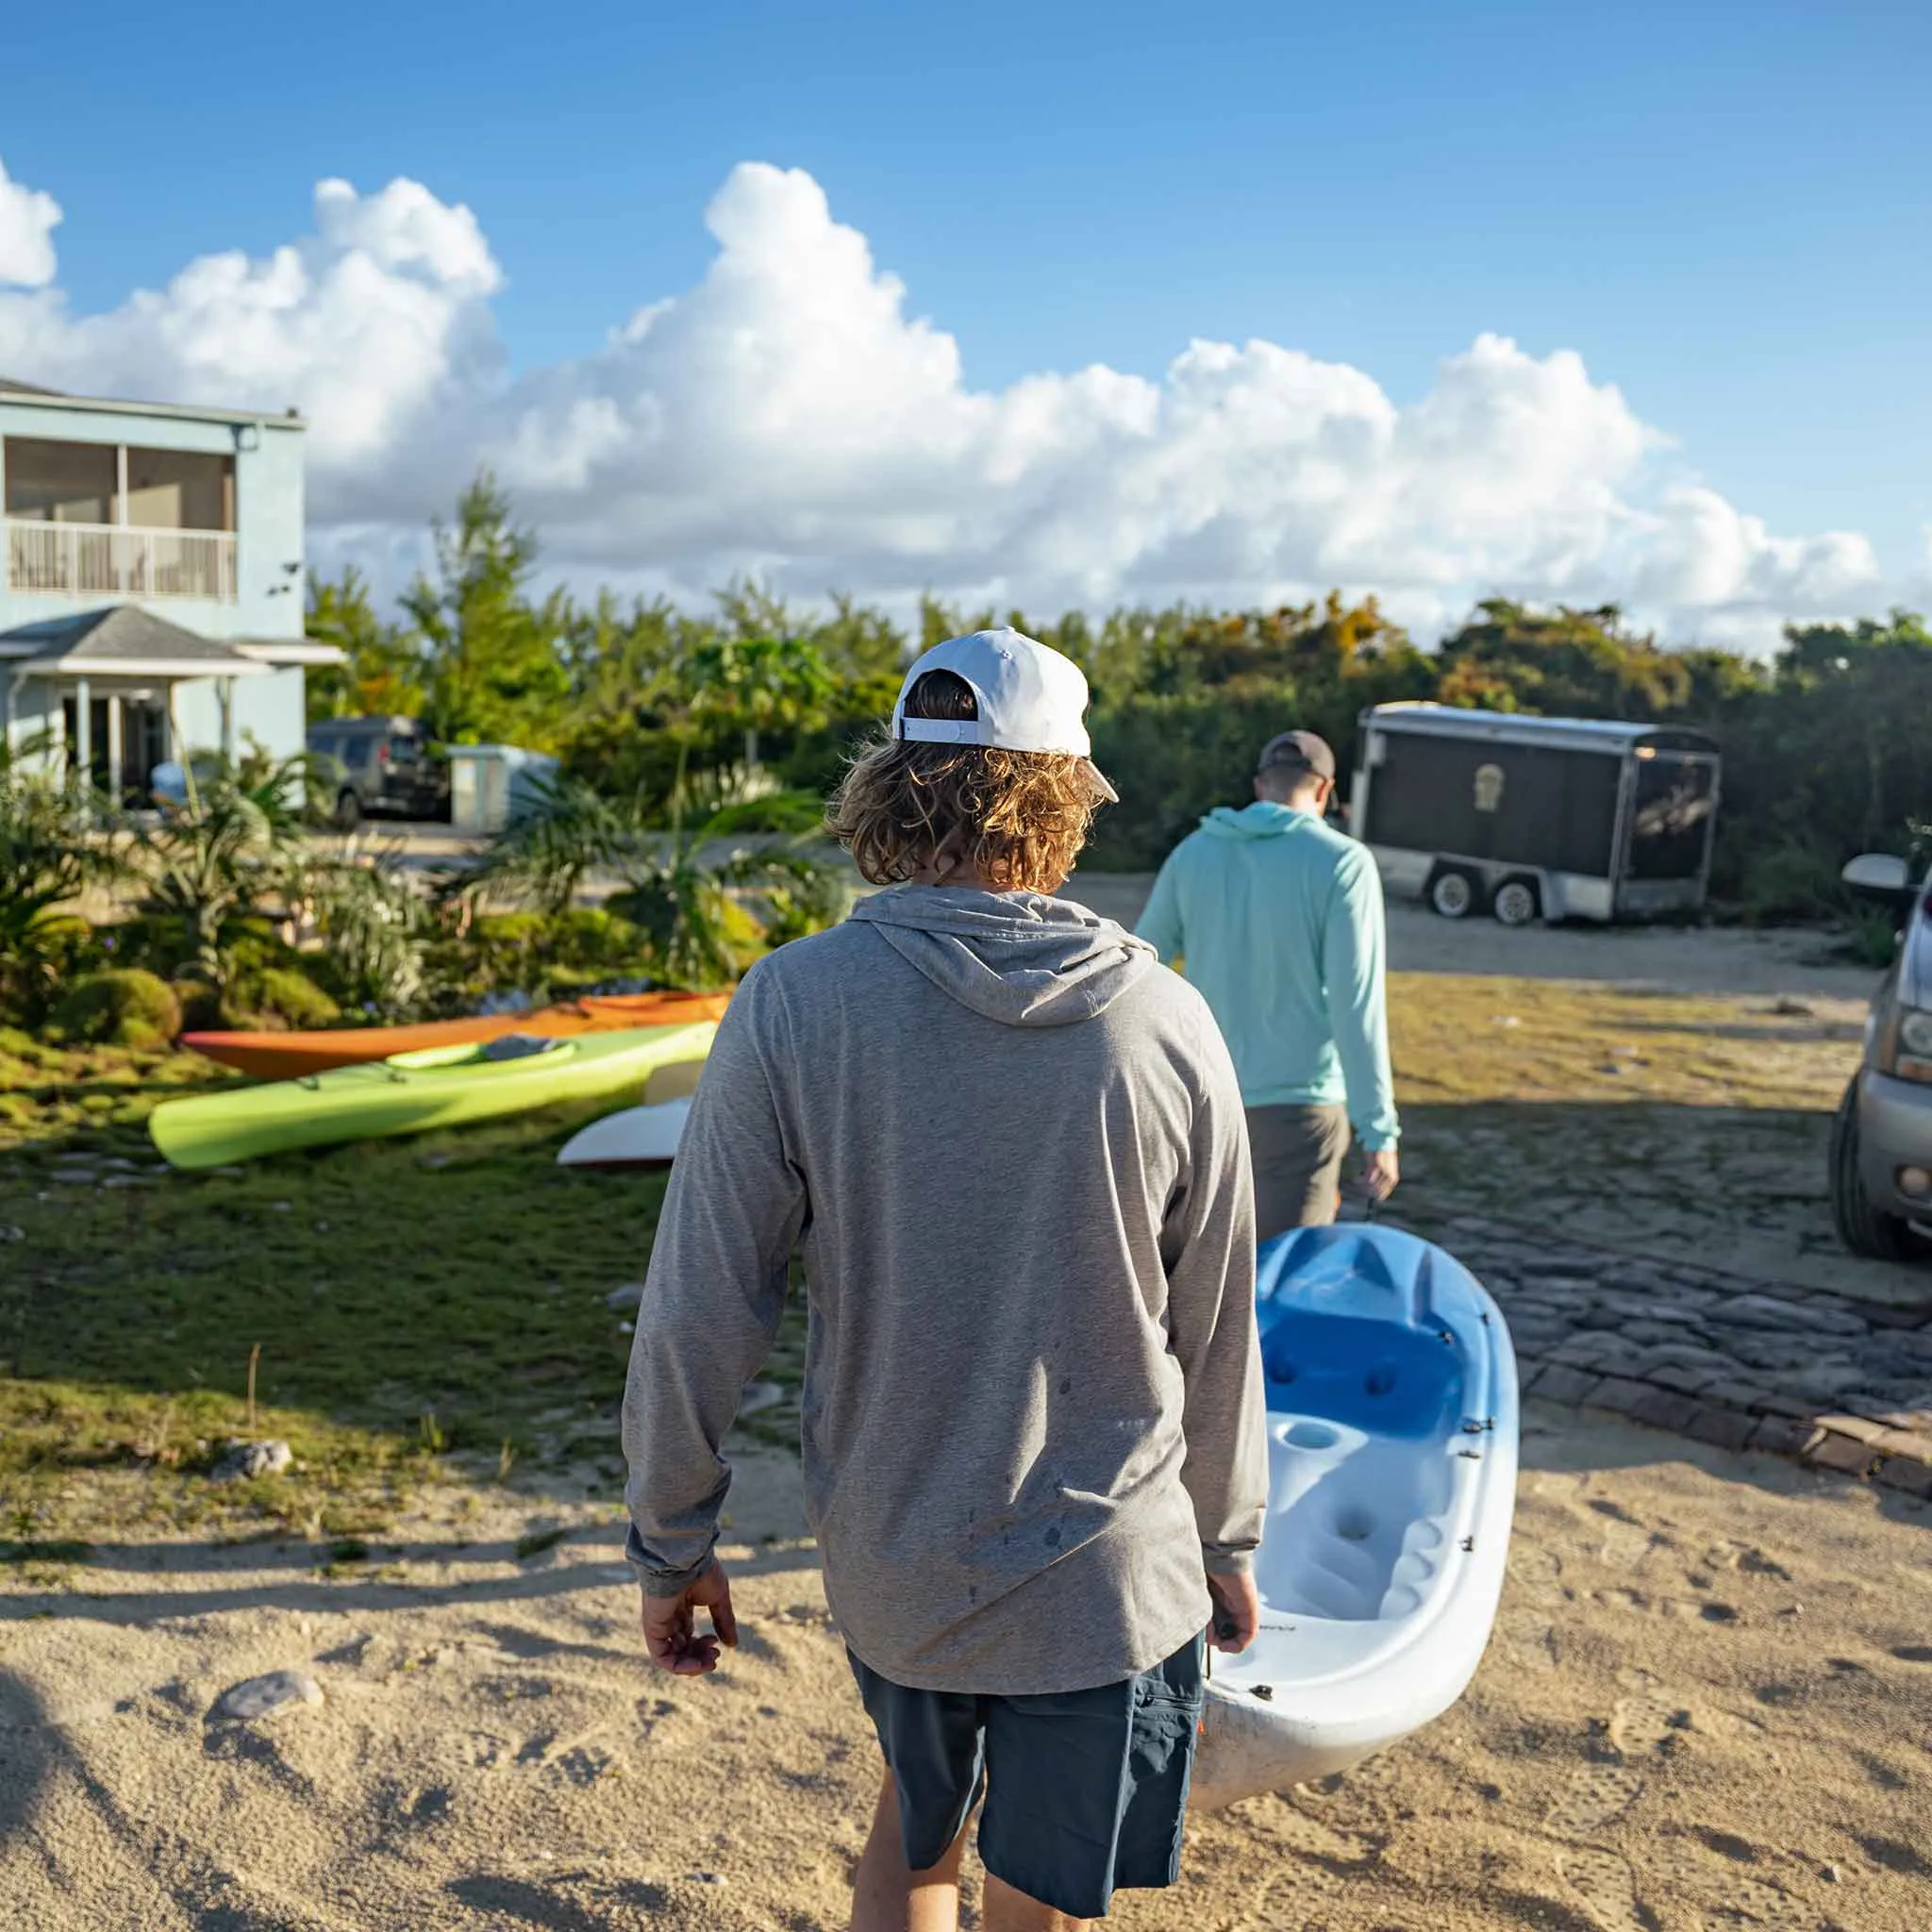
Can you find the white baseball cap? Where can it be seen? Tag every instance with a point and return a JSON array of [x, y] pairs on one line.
[[1029, 697]]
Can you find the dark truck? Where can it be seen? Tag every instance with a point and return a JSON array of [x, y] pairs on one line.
[[1528, 818], [379, 767]]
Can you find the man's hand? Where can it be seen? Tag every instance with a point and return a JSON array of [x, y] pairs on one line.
[[1380, 1173], [1237, 1613], [671, 1631]]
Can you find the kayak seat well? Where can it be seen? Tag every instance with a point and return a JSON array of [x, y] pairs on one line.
[[1376, 1376], [1358, 1525]]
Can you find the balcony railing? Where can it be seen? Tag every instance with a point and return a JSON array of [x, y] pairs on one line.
[[108, 560]]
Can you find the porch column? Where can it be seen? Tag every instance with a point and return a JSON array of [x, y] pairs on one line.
[[83, 731], [225, 695], [115, 731]]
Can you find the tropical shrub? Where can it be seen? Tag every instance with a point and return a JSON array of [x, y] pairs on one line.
[[285, 997], [48, 857], [375, 927], [211, 864], [123, 1006]]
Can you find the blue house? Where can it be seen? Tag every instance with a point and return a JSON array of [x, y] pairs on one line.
[[151, 582]]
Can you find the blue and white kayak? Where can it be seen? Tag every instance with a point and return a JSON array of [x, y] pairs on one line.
[[1391, 1443]]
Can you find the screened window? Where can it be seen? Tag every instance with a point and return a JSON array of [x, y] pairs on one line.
[[60, 482], [80, 483], [180, 490]]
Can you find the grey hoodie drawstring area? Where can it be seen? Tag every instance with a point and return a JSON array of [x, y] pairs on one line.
[[1010, 1149]]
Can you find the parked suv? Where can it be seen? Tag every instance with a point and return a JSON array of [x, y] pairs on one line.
[[380, 766], [1881, 1144]]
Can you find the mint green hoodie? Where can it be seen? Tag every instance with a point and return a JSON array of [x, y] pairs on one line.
[[1278, 919]]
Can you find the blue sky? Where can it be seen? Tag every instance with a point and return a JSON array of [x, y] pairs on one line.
[[1722, 208]]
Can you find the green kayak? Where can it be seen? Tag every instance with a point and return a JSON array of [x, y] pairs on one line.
[[411, 1092]]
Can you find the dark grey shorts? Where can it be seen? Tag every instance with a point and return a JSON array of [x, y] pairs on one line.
[[1298, 1154], [1085, 1790]]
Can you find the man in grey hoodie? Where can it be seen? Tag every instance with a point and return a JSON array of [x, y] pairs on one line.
[[1012, 1151]]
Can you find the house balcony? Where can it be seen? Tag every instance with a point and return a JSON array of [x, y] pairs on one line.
[[119, 560]]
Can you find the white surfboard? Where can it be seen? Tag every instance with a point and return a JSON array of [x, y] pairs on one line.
[[637, 1137]]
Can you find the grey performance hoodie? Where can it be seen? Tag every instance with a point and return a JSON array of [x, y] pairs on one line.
[[1012, 1150]]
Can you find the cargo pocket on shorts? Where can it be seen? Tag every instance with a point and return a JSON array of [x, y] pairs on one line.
[[1160, 1764]]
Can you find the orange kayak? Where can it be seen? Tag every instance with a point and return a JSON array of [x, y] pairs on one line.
[[284, 1056]]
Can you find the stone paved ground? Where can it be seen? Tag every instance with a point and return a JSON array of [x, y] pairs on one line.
[[1844, 1384]]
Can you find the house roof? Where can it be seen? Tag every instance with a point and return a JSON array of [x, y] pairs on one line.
[[59, 399], [122, 640]]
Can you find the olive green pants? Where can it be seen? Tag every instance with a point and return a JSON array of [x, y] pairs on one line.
[[1298, 1154]]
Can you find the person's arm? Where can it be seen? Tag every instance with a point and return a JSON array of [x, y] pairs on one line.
[[1160, 921], [1354, 955], [711, 1302], [1208, 1247]]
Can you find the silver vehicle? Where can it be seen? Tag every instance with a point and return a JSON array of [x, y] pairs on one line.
[[1526, 818], [1881, 1142]]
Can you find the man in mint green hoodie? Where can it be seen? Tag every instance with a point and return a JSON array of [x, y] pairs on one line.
[[1278, 919]]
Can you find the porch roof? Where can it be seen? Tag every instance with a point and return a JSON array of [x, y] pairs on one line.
[[122, 640]]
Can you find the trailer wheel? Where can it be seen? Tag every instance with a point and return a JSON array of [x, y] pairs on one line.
[[1517, 902], [1453, 892]]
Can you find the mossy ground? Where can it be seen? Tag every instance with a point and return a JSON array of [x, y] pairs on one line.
[[440, 1302]]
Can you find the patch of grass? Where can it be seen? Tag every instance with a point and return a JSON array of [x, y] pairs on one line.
[[55, 1552], [402, 1308], [56, 1099], [1476, 1038], [538, 1540], [410, 1298]]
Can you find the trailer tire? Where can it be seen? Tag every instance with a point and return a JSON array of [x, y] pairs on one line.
[[1518, 901], [1453, 892]]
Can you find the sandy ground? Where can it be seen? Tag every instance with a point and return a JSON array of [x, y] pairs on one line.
[[1707, 1706]]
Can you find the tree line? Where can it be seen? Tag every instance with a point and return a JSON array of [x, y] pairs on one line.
[[1827, 746]]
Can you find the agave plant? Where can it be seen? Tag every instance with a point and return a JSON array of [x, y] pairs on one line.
[[689, 887], [236, 839], [687, 890], [543, 856]]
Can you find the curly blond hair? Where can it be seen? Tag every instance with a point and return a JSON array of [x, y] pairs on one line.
[[1016, 818]]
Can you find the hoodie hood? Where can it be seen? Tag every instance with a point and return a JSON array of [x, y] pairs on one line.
[[1018, 957], [1264, 819]]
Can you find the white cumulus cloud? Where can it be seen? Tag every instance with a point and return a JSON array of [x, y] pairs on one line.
[[791, 415], [27, 221]]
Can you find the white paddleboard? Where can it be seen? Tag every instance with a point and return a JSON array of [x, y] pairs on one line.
[[636, 1138]]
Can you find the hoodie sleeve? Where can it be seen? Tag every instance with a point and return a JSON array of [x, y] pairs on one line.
[[1208, 1246], [712, 1298], [1161, 922], [1355, 987]]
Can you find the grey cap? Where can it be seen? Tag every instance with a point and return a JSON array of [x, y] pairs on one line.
[[1298, 751]]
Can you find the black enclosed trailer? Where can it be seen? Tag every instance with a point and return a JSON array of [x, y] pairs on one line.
[[1557, 818]]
